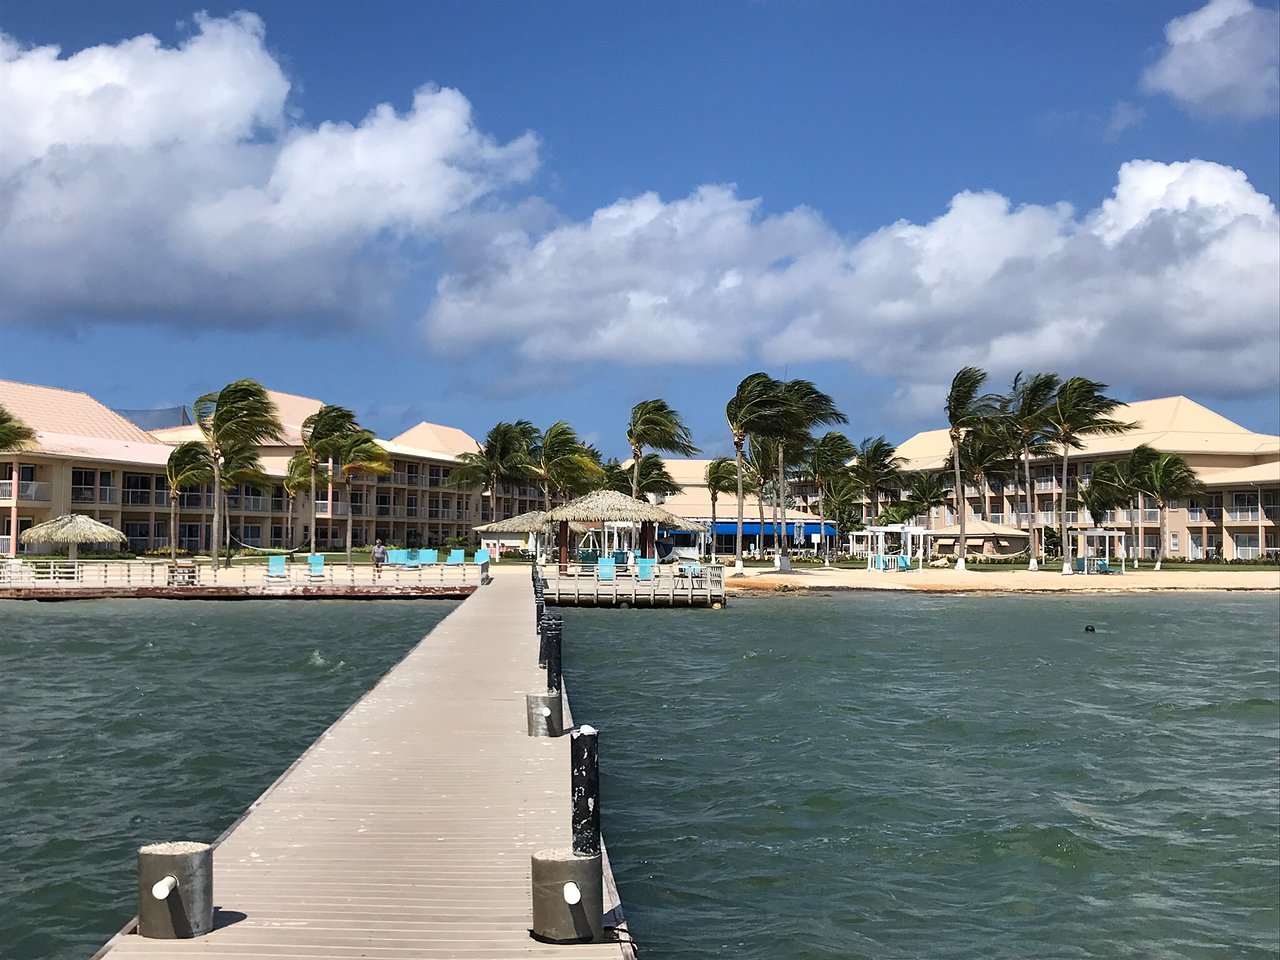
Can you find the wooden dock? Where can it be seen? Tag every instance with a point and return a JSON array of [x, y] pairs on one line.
[[406, 830], [669, 586]]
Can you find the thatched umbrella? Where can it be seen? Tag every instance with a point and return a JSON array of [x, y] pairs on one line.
[[72, 530], [535, 521], [609, 506]]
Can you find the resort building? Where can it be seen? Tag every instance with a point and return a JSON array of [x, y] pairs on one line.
[[88, 459], [1236, 519]]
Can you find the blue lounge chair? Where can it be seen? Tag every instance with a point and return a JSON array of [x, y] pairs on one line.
[[456, 558], [1080, 565], [275, 568], [619, 558], [428, 556], [1103, 567], [397, 558], [315, 566], [482, 556], [645, 567], [605, 569], [588, 557], [904, 562]]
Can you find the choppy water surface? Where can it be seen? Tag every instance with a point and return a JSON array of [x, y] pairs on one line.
[[124, 722], [893, 776]]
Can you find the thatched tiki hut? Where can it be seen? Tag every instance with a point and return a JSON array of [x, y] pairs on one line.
[[608, 506], [71, 531], [534, 522]]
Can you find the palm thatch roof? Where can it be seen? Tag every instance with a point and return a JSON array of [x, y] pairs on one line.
[[535, 521], [73, 528], [602, 506]]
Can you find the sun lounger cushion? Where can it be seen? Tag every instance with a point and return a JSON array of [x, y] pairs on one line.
[[456, 557], [482, 556], [605, 569], [315, 565], [275, 566], [645, 567]]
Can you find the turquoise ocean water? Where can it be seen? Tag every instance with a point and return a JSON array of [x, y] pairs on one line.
[[855, 775], [124, 722], [880, 776]]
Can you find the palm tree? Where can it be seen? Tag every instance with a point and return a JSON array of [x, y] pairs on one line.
[[322, 433], [360, 453], [844, 498], [1080, 410], [826, 459], [14, 434], [655, 425], [966, 408], [721, 477], [926, 491], [754, 409], [297, 476], [877, 468], [562, 464], [1125, 479], [759, 463], [804, 407], [1026, 410], [188, 464], [239, 416], [503, 458], [648, 476], [1169, 477], [987, 453], [240, 465]]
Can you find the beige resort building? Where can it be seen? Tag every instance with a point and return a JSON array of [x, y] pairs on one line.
[[1236, 519], [88, 459]]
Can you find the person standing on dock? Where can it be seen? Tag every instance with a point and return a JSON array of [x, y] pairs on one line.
[[379, 556]]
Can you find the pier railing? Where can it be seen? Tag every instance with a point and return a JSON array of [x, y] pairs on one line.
[[672, 585], [66, 574]]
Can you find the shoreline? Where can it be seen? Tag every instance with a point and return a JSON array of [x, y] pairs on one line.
[[933, 580]]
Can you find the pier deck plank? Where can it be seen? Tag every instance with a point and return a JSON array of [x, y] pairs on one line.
[[406, 830]]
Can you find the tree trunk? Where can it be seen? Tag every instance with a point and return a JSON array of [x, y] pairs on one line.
[[214, 541], [351, 522], [738, 443], [635, 473], [962, 544], [288, 522], [782, 506], [713, 526], [173, 524], [1164, 531], [226, 515], [1062, 517], [822, 530], [1138, 524], [313, 509], [1031, 513], [760, 501], [546, 496]]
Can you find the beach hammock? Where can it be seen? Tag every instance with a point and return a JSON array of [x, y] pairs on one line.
[[270, 551]]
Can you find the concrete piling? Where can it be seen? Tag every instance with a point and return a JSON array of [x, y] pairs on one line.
[[175, 890]]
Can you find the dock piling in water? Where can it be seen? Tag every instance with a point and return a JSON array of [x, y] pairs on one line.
[[553, 638], [584, 774], [175, 890]]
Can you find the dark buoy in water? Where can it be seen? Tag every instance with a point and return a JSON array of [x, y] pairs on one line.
[[1088, 628]]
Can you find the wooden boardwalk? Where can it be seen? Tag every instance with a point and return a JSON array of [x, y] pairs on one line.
[[406, 830]]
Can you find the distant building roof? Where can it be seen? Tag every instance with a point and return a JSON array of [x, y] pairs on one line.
[[435, 438]]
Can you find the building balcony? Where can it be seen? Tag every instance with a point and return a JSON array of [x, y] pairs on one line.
[[254, 504], [398, 511], [195, 501], [32, 491], [1239, 514], [5, 542], [399, 476], [326, 509], [136, 498]]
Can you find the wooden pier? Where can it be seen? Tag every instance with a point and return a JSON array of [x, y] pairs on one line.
[[699, 585], [406, 830]]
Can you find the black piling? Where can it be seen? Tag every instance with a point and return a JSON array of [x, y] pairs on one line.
[[584, 773], [553, 636]]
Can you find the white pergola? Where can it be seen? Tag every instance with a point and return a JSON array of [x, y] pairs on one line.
[[1091, 558], [913, 543]]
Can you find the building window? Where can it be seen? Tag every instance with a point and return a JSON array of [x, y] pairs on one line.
[[1173, 543]]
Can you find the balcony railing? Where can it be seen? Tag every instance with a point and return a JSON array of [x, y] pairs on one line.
[[137, 498], [1243, 513], [33, 490], [1272, 511], [84, 494], [254, 504], [334, 509], [399, 476], [4, 546], [195, 501], [398, 511]]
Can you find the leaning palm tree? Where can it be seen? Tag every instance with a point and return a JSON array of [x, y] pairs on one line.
[[1169, 477], [652, 473], [504, 457], [826, 460], [561, 464], [877, 468], [925, 491], [240, 466], [844, 502], [656, 425], [1128, 477], [14, 434], [987, 453], [759, 463], [1080, 410], [804, 407], [755, 409], [189, 464], [297, 477], [966, 408], [1026, 410], [322, 433], [360, 453], [240, 415], [721, 477]]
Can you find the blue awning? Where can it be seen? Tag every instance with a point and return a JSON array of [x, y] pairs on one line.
[[752, 528]]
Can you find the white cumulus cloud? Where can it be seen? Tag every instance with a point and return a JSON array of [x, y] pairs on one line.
[[1168, 284], [1223, 59], [144, 181]]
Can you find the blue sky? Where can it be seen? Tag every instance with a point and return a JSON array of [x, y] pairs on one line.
[[566, 208]]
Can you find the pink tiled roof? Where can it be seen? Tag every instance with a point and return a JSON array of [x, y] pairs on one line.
[[438, 439], [67, 412]]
